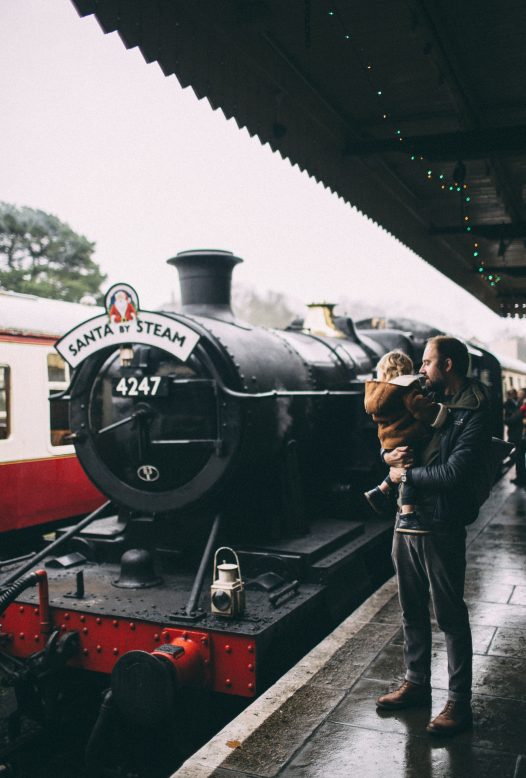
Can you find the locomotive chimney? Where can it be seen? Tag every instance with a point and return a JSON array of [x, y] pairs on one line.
[[205, 277]]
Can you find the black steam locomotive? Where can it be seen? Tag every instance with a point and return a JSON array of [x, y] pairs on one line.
[[234, 459]]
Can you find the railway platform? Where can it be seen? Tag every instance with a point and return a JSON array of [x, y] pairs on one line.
[[320, 719]]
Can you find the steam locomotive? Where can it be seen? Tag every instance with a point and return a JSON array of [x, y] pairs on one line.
[[235, 534]]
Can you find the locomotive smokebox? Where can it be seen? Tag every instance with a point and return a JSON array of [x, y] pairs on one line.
[[205, 276]]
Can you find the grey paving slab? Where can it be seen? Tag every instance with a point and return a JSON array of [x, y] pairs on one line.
[[339, 750], [480, 590], [508, 642], [271, 746], [500, 535], [519, 596], [388, 666], [505, 532], [498, 547], [499, 724], [495, 576], [509, 519], [516, 502], [346, 666], [500, 676], [497, 615], [390, 613], [490, 558]]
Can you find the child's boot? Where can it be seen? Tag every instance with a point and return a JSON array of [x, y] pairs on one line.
[[378, 500], [412, 524]]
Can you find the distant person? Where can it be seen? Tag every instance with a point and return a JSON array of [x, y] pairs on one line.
[[512, 419], [405, 417], [446, 486], [515, 420], [511, 402]]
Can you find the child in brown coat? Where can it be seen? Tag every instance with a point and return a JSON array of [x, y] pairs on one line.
[[405, 417]]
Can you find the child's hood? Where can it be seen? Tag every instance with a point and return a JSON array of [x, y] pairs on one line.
[[404, 380], [381, 396]]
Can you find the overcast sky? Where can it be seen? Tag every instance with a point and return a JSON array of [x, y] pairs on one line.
[[94, 135]]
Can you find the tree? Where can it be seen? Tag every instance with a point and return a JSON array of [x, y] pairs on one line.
[[266, 309], [41, 255]]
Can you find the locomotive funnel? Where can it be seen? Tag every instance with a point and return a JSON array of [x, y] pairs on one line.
[[205, 277]]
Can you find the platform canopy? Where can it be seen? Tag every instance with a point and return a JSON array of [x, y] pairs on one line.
[[414, 111]]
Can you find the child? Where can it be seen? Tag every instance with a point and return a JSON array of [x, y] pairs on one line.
[[404, 417]]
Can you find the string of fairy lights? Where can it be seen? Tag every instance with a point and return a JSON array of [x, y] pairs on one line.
[[455, 184]]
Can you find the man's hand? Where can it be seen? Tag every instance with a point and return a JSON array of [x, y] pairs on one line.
[[400, 457], [396, 473]]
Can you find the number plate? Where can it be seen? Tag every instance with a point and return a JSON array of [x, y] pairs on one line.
[[137, 386]]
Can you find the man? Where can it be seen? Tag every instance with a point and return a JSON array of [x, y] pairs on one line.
[[445, 481]]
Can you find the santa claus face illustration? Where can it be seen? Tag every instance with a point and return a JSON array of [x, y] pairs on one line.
[[121, 304]]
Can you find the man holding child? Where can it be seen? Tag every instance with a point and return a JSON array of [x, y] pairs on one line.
[[444, 484]]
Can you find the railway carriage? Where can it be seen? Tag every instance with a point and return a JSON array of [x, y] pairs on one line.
[[41, 481]]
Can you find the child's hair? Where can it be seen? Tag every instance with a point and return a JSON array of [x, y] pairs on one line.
[[393, 364]]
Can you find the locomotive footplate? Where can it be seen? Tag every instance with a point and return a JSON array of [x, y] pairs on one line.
[[325, 535], [111, 621], [296, 591]]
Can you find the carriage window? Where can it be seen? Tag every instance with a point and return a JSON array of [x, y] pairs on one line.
[[57, 370], [58, 380], [4, 402]]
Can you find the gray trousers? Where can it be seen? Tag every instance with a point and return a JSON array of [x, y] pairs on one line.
[[434, 565]]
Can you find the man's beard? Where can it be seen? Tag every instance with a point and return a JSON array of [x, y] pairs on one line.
[[438, 385]]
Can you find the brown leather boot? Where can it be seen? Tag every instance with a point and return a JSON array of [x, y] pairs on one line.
[[456, 717], [409, 695]]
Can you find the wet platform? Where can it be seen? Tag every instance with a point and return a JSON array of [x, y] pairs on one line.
[[320, 718]]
